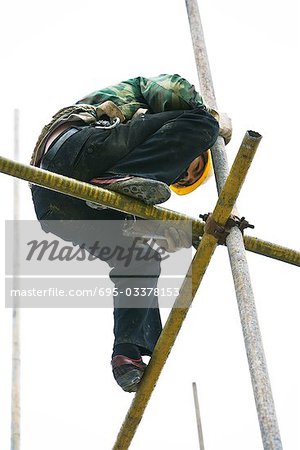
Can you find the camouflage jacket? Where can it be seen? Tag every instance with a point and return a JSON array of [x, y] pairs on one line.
[[157, 94]]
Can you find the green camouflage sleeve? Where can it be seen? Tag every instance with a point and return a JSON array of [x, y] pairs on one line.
[[126, 95], [158, 94], [169, 93]]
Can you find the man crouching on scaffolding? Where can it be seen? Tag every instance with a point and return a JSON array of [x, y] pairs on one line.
[[138, 138]]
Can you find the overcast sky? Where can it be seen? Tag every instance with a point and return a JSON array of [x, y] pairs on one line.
[[53, 54]]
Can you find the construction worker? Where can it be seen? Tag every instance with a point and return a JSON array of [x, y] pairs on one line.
[[138, 137]]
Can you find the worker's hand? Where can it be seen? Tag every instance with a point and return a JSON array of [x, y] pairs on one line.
[[164, 234], [173, 239], [109, 109], [140, 112], [225, 125]]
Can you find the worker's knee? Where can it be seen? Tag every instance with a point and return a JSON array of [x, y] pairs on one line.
[[197, 131], [148, 261], [208, 127], [139, 260]]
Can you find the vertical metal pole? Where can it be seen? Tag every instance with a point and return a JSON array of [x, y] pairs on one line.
[[198, 418], [15, 388], [252, 337]]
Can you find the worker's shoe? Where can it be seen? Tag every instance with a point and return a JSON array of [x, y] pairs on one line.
[[128, 372], [149, 191]]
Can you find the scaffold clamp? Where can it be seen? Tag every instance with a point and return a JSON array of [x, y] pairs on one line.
[[221, 232]]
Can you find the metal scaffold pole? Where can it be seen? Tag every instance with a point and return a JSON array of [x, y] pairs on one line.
[[16, 359], [252, 336], [188, 290], [198, 417], [86, 191]]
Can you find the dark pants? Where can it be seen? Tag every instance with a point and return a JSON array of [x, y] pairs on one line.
[[157, 146]]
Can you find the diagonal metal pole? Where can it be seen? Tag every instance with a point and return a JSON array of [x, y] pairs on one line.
[[86, 191], [188, 291], [16, 359], [252, 336]]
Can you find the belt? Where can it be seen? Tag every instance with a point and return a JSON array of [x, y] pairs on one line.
[[51, 152]]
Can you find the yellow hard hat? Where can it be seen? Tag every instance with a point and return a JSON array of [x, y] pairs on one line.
[[191, 181]]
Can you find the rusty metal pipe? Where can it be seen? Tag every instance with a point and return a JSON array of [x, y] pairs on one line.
[[188, 291], [120, 202]]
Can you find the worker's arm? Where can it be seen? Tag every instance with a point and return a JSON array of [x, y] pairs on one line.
[[169, 93], [157, 94]]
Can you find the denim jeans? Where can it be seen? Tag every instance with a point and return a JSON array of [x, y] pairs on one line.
[[157, 146]]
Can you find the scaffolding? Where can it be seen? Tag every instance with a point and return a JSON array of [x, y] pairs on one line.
[[16, 313], [228, 186]]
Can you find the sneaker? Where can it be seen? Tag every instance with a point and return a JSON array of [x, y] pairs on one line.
[[149, 191], [128, 372]]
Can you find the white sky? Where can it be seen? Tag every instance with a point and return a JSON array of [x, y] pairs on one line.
[[52, 54]]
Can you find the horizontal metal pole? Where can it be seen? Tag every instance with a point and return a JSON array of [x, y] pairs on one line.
[[187, 293], [86, 191], [252, 337], [274, 251]]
